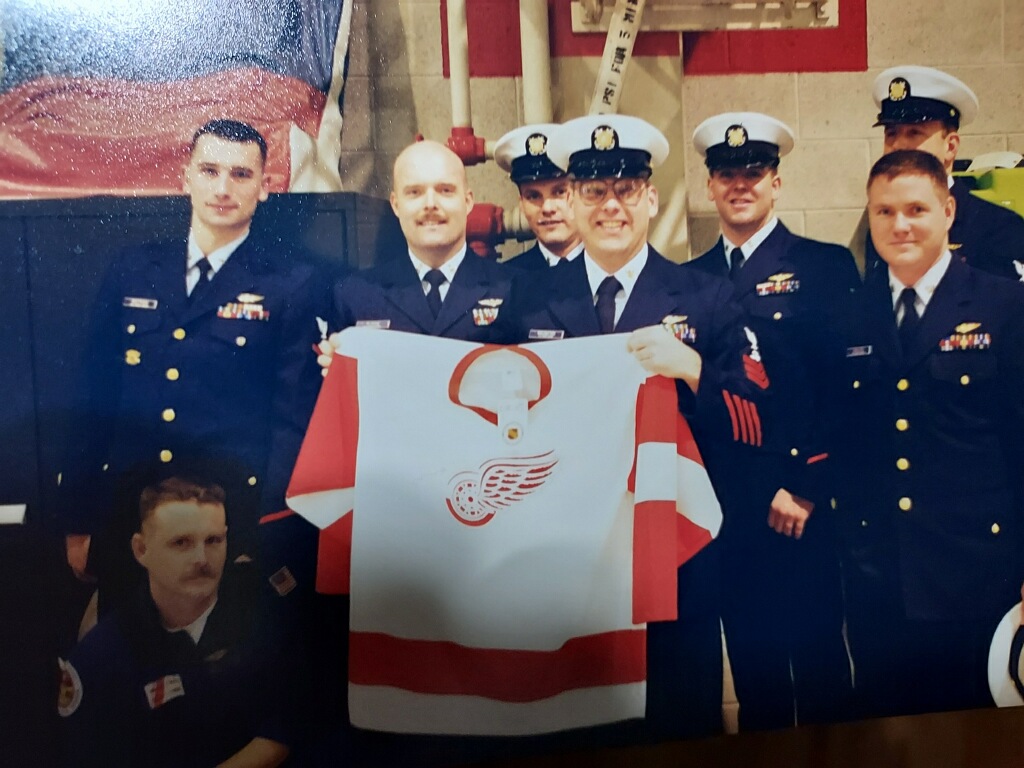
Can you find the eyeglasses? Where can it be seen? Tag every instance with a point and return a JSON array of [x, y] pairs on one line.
[[628, 191]]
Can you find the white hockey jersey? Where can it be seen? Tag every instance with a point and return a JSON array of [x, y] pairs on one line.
[[506, 521]]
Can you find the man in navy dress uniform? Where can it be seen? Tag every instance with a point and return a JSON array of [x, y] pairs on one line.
[[782, 600], [923, 108], [543, 196], [178, 675], [930, 503], [200, 346], [681, 324]]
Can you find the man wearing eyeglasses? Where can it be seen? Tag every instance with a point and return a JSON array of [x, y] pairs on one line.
[[543, 196], [782, 601], [681, 324]]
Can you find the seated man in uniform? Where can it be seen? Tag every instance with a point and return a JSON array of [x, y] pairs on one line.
[[176, 677], [543, 196]]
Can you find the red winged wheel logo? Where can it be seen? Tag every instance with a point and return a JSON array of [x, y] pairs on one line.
[[475, 497]]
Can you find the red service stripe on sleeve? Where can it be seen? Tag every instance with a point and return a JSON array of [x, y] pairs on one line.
[[743, 418], [755, 422], [755, 372], [732, 414], [817, 458], [447, 668]]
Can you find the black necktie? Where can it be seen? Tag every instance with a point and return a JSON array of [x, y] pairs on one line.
[[205, 276], [911, 320], [735, 263], [435, 278], [606, 303]]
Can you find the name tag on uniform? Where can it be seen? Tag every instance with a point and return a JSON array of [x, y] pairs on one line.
[[159, 692], [134, 302], [381, 324], [861, 351], [542, 334]]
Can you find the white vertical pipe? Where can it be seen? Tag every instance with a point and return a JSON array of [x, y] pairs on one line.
[[535, 43], [458, 63]]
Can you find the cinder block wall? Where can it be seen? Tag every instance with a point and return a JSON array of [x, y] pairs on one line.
[[396, 89]]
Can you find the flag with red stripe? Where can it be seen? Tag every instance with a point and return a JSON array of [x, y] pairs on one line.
[[514, 522], [103, 98]]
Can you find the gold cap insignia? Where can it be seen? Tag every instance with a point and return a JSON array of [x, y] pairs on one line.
[[736, 136], [537, 144], [132, 356], [967, 327], [249, 298], [490, 302], [604, 138], [781, 277], [899, 89], [673, 319]]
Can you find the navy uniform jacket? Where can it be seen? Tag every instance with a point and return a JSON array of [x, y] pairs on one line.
[[133, 694], [390, 295], [788, 287], [684, 687], [531, 259], [985, 235], [930, 492], [232, 375]]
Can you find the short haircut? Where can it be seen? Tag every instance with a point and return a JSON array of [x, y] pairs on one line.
[[231, 130], [178, 489], [911, 162]]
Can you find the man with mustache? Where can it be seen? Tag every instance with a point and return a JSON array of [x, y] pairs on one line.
[[177, 676], [782, 600], [543, 196]]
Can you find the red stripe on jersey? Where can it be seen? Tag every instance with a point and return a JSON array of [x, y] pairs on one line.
[[274, 516], [447, 668], [334, 557], [655, 527]]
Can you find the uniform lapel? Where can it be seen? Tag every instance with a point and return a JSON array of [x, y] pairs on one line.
[[168, 277], [571, 301], [651, 299], [880, 318], [942, 312], [467, 287], [232, 279], [767, 259], [402, 288]]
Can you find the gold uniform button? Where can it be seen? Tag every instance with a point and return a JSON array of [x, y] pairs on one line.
[[172, 374], [166, 456], [902, 385], [132, 357], [777, 316], [835, 504], [131, 327], [179, 333], [856, 385], [240, 341], [995, 528], [902, 464], [252, 480], [965, 379], [793, 452], [863, 523], [106, 467], [906, 503], [168, 414], [902, 425]]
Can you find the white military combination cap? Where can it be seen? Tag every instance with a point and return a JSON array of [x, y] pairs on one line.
[[911, 94], [742, 140], [598, 146], [523, 153]]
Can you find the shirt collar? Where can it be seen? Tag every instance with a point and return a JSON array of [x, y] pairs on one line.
[[448, 269], [752, 244], [217, 257], [925, 287], [196, 628], [554, 260], [626, 275]]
